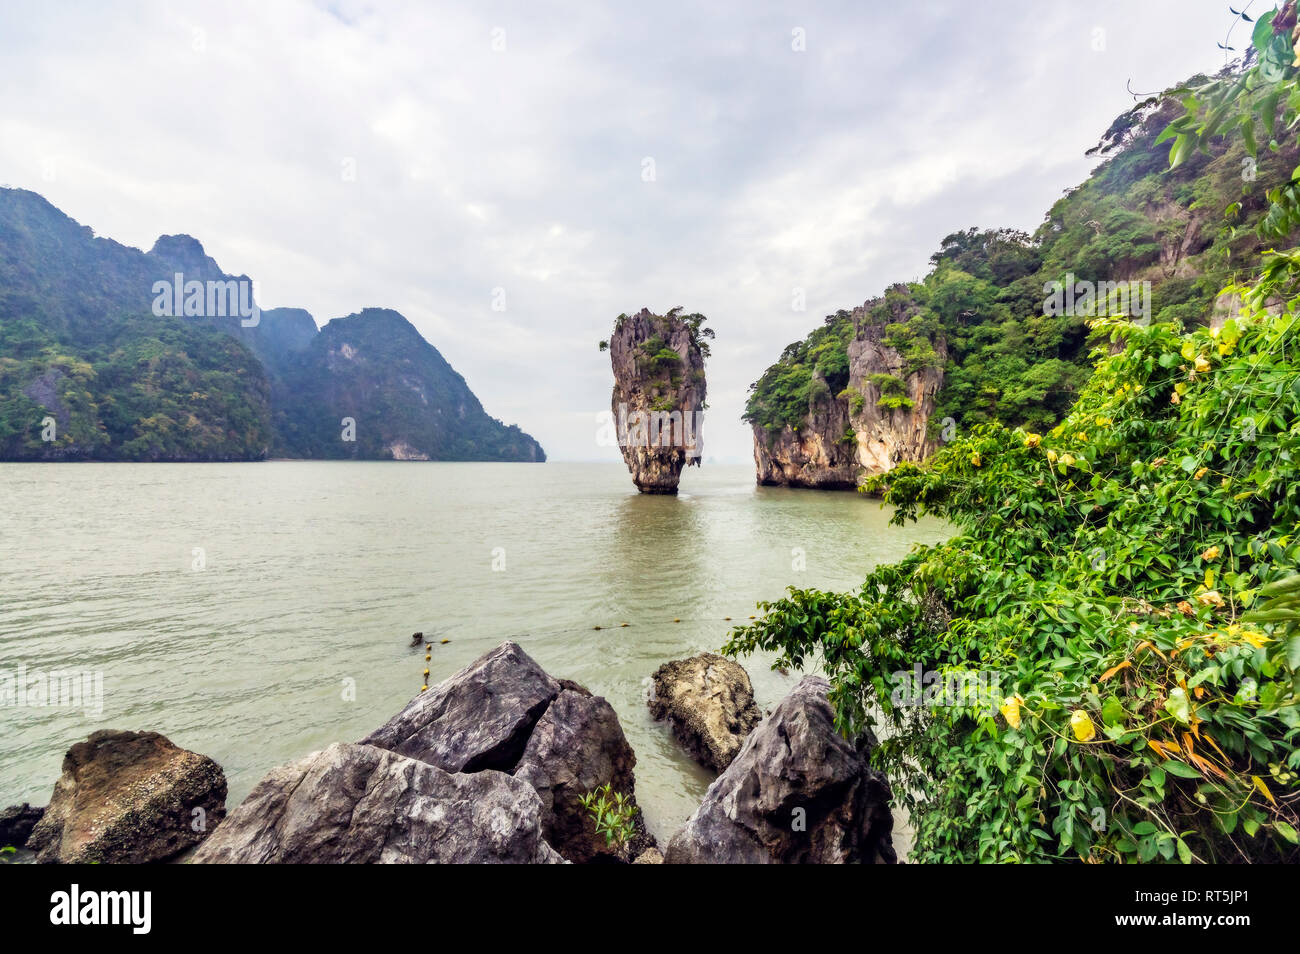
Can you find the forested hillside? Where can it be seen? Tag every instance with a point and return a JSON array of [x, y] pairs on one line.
[[89, 370], [1188, 231]]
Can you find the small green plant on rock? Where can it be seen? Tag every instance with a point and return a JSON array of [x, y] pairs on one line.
[[614, 814]]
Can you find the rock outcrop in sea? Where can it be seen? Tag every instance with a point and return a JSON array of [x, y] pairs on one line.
[[708, 701], [658, 399], [358, 804], [881, 418], [129, 798], [797, 793], [487, 766]]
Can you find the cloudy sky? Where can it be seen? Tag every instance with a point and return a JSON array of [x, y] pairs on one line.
[[436, 158]]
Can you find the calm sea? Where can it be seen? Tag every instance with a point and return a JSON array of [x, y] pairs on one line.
[[257, 612]]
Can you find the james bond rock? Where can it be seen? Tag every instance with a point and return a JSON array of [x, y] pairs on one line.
[[658, 399]]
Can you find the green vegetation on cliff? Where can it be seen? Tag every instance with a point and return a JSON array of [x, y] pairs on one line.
[[156, 389], [89, 372], [817, 364], [1104, 663], [402, 397], [1009, 359]]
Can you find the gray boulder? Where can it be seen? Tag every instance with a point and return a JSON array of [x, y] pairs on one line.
[[480, 718], [130, 798], [577, 747], [361, 804], [709, 704], [797, 793]]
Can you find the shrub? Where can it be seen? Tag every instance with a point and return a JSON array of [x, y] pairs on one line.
[[1100, 574]]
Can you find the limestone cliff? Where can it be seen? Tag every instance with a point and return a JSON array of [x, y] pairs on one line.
[[658, 399], [863, 424]]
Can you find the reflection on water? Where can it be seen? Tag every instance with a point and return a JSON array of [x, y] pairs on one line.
[[230, 606]]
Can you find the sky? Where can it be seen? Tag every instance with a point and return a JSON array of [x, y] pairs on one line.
[[512, 177]]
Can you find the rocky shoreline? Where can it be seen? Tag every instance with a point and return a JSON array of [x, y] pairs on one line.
[[500, 763]]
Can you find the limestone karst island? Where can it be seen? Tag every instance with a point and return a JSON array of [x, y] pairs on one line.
[[657, 435]]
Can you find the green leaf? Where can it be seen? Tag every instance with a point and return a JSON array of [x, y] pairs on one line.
[[1181, 769], [1179, 706], [1262, 35]]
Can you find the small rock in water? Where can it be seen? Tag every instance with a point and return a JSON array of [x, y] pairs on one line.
[[417, 638], [129, 798], [709, 702]]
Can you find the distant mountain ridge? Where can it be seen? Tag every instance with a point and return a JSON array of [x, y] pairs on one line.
[[89, 371]]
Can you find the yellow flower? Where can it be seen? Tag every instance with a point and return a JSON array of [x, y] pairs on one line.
[[1200, 473], [1033, 440], [1051, 457], [975, 458], [1010, 710], [1210, 554], [1083, 728], [1255, 639], [1210, 598], [1067, 460], [1175, 398], [1201, 364]]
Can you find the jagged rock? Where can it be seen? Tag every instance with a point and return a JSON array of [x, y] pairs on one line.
[[362, 804], [796, 793], [848, 436], [658, 399], [709, 703], [129, 797], [577, 747], [480, 718], [16, 824]]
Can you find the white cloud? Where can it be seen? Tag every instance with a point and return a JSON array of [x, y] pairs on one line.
[[837, 169]]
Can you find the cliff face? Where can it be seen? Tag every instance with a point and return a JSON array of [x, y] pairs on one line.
[[821, 453], [658, 398], [889, 431], [881, 418]]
